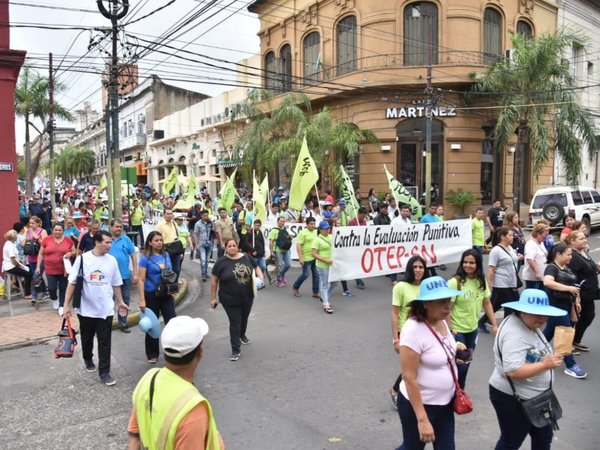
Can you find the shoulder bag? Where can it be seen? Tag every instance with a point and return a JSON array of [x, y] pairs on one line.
[[167, 283], [175, 248], [66, 341], [78, 285], [541, 410], [462, 403]]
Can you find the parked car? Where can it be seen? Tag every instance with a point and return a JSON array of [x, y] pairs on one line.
[[556, 202]]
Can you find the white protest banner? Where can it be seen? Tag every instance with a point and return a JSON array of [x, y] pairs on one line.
[[293, 230], [363, 252], [148, 225]]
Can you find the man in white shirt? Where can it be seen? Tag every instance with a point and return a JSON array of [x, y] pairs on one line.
[[101, 280], [404, 217]]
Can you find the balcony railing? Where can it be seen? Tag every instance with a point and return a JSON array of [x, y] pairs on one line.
[[135, 140]]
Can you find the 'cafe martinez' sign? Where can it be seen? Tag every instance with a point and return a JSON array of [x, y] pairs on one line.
[[419, 111]]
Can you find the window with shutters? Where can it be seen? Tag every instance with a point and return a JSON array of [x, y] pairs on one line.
[[312, 57], [285, 62], [270, 71], [346, 45], [492, 36], [420, 34]]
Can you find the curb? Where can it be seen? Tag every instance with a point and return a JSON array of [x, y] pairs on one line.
[[132, 320]]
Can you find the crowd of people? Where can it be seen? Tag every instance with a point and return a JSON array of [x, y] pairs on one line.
[[435, 321]]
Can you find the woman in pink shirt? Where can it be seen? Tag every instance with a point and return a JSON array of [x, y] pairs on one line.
[[427, 388], [54, 248]]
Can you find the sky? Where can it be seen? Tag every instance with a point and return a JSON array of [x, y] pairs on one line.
[[230, 35]]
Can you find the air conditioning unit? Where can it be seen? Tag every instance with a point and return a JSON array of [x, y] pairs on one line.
[[159, 134], [509, 54]]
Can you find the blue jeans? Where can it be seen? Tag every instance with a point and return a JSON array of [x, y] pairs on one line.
[[126, 293], [175, 264], [308, 266], [260, 261], [284, 262], [205, 250], [554, 322], [478, 249], [470, 341], [514, 426], [441, 418], [57, 282], [326, 288]]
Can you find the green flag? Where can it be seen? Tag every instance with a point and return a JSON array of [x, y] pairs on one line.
[[170, 182], [103, 185], [260, 212], [305, 177], [402, 195], [348, 193], [188, 198], [228, 193]]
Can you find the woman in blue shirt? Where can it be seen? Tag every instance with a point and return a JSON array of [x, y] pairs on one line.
[[152, 262]]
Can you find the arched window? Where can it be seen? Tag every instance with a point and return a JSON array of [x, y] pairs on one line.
[[312, 57], [420, 33], [492, 35], [270, 71], [286, 68], [525, 29], [346, 45]]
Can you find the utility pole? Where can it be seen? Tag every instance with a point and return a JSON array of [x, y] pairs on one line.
[[50, 128], [428, 115], [118, 10]]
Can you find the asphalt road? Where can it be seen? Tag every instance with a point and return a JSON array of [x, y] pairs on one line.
[[308, 381]]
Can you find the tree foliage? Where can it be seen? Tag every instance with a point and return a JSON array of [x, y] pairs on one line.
[[278, 125], [539, 102], [75, 162]]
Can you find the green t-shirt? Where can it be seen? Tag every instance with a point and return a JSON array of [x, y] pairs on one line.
[[273, 234], [467, 307], [305, 239], [478, 234], [183, 235], [323, 244], [402, 294], [136, 216]]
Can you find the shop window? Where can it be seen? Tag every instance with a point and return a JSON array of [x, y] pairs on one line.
[[420, 34], [285, 62], [525, 29], [270, 71], [492, 35], [312, 57], [346, 45], [487, 181]]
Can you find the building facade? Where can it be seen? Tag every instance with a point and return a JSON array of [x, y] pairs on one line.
[[367, 62], [582, 17]]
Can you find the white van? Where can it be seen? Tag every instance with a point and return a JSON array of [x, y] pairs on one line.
[[556, 202]]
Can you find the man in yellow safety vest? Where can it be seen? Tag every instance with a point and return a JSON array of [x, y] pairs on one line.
[[168, 410]]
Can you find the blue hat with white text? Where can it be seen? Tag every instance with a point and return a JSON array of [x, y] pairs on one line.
[[535, 301], [436, 288]]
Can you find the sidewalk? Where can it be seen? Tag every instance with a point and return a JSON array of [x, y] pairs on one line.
[[22, 324]]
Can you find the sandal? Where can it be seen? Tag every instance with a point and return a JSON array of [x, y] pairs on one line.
[[328, 309]]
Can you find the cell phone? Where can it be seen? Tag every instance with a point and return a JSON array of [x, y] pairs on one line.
[[464, 355]]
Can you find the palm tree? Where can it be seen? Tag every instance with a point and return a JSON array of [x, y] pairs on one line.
[[32, 102], [75, 162], [539, 102], [277, 134]]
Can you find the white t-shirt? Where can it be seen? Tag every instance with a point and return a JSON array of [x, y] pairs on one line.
[[100, 274], [538, 253], [434, 377], [400, 220], [505, 262], [9, 250]]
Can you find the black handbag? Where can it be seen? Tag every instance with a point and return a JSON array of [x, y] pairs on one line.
[[175, 248], [541, 410], [78, 285], [168, 283]]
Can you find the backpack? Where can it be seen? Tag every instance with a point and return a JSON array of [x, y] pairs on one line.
[[31, 247], [284, 241]]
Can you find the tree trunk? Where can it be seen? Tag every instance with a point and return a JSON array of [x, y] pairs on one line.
[[28, 174]]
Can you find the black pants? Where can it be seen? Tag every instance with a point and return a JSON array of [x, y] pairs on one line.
[[139, 229], [102, 329], [500, 296], [159, 305], [20, 272], [588, 312], [238, 322]]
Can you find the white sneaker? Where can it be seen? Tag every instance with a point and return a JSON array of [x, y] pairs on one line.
[[55, 304], [60, 311]]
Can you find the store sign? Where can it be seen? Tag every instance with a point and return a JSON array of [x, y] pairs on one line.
[[419, 111], [6, 167]]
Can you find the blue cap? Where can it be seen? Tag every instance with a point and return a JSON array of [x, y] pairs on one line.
[[324, 225], [435, 288], [342, 202], [327, 214], [535, 301]]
